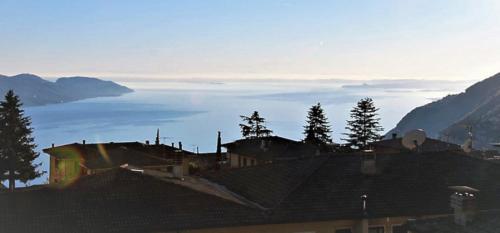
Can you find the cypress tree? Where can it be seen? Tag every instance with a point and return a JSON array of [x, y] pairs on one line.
[[254, 126], [364, 126], [317, 130], [17, 147]]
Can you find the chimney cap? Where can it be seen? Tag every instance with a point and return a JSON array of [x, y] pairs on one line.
[[463, 189]]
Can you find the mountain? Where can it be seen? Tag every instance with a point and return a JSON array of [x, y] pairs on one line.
[[448, 118], [33, 90]]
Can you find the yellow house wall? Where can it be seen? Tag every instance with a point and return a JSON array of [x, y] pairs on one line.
[[52, 170], [65, 170], [237, 160], [309, 227]]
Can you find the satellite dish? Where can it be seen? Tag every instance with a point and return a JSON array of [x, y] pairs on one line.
[[414, 138], [467, 146]]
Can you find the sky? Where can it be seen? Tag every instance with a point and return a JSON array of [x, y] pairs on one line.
[[161, 39]]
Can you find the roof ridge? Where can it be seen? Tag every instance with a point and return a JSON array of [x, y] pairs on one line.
[[204, 186]]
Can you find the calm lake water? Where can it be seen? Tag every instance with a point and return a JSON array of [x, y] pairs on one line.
[[193, 111]]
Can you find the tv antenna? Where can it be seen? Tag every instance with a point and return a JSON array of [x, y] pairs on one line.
[[414, 139]]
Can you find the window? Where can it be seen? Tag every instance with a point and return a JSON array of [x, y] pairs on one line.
[[376, 230], [398, 229], [244, 162], [346, 230], [252, 162]]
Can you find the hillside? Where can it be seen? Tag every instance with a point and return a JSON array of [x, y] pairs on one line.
[[478, 106], [34, 90]]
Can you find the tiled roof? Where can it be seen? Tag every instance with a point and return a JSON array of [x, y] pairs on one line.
[[118, 201], [268, 184], [271, 148], [406, 185], [322, 188], [429, 145], [486, 222]]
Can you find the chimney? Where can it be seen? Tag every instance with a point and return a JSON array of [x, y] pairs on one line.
[[83, 142], [147, 142], [53, 145], [173, 145], [180, 145], [368, 163], [394, 136], [464, 204], [157, 141], [218, 153]]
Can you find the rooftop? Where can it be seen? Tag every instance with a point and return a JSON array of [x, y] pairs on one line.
[[271, 148], [330, 187], [321, 188], [118, 200], [109, 155], [429, 145]]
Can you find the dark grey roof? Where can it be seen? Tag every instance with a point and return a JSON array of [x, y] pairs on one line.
[[429, 145], [267, 184], [322, 188], [118, 201], [485, 222], [406, 185]]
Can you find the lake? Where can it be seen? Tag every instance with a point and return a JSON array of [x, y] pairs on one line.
[[193, 111]]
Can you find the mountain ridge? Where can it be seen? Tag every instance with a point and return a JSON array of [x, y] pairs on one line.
[[449, 117], [35, 91]]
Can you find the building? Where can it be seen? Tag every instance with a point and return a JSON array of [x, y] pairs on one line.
[[313, 194], [263, 150], [69, 162]]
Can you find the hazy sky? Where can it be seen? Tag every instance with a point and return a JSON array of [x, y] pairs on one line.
[[432, 39]]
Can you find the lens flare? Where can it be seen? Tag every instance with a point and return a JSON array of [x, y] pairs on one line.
[[68, 168], [103, 152]]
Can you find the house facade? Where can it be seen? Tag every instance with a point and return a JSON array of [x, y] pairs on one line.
[[264, 150]]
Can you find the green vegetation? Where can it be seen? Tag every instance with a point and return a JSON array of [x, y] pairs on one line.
[[16, 143]]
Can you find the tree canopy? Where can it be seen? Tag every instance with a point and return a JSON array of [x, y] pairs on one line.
[[253, 126], [17, 147], [317, 129], [364, 126]]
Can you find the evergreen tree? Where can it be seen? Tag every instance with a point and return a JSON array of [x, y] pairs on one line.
[[17, 147], [317, 130], [364, 125], [254, 126]]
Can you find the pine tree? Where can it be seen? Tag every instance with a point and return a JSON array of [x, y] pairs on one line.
[[317, 130], [17, 147], [364, 125], [254, 126]]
